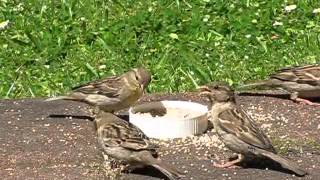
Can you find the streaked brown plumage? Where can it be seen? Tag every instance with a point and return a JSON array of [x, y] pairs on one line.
[[238, 131], [112, 93], [302, 82], [125, 142]]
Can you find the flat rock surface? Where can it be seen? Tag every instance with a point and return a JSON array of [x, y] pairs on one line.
[[56, 140]]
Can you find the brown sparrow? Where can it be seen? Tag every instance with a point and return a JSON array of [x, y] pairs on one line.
[[112, 93], [238, 131], [301, 81], [125, 142]]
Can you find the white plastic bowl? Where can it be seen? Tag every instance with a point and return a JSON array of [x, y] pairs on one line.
[[174, 119]]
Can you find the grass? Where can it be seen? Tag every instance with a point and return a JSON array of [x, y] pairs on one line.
[[51, 46]]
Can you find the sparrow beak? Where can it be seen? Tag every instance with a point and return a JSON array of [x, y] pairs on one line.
[[143, 89]]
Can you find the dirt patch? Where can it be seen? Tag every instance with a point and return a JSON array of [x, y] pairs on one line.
[[37, 146]]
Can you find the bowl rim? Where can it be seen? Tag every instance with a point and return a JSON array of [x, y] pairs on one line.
[[203, 109]]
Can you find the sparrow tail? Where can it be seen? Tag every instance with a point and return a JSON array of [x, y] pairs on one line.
[[285, 163], [254, 85], [62, 98], [171, 172]]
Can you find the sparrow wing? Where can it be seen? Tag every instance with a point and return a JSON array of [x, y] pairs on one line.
[[309, 74], [109, 87], [237, 122], [126, 135]]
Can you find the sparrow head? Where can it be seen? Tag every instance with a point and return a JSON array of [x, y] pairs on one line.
[[142, 76], [217, 92]]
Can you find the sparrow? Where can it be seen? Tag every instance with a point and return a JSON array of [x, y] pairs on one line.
[[112, 93], [123, 141], [302, 82], [237, 130]]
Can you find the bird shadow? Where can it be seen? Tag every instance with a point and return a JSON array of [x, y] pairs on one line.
[[90, 118], [263, 164], [281, 96], [317, 99], [71, 116], [149, 171], [123, 116], [210, 127]]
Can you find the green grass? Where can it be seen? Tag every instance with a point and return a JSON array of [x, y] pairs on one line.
[[54, 45]]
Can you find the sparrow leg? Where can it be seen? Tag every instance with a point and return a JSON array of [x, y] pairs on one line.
[[305, 101], [110, 163], [230, 164], [112, 167], [294, 97]]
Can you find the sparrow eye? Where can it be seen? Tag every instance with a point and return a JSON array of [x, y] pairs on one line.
[[137, 77]]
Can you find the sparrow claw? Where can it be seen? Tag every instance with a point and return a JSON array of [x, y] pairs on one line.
[[229, 165]]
